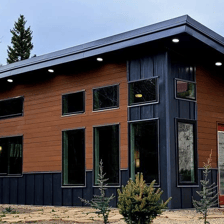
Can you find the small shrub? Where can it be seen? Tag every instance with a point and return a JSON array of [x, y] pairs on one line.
[[209, 197], [140, 203], [101, 202]]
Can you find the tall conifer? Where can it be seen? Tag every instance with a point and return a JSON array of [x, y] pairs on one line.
[[21, 42]]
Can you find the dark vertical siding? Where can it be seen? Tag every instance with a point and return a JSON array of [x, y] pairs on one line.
[[45, 189], [149, 67], [178, 68], [48, 189], [39, 189]]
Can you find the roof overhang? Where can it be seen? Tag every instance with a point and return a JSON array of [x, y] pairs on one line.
[[181, 25]]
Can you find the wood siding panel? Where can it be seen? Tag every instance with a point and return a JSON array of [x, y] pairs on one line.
[[210, 93], [42, 123]]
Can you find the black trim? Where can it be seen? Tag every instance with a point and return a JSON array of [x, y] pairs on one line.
[[13, 115], [119, 170], [77, 112], [182, 98], [194, 122], [158, 140], [145, 102], [118, 97], [62, 173]]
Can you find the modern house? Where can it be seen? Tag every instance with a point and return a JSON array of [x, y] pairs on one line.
[[149, 100]]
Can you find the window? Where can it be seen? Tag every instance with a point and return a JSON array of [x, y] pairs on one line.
[[187, 155], [143, 91], [73, 161], [185, 90], [73, 103], [11, 150], [105, 97], [106, 147], [144, 150], [11, 107]]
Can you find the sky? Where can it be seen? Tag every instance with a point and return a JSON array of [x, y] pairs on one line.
[[59, 24]]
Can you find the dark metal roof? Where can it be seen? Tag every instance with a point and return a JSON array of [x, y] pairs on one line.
[[183, 24]]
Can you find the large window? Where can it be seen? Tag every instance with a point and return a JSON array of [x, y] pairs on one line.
[[73, 161], [143, 91], [144, 150], [11, 107], [106, 97], [185, 90], [73, 103], [106, 147], [187, 153], [11, 151]]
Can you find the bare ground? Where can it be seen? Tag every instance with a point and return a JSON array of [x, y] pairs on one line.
[[84, 215]]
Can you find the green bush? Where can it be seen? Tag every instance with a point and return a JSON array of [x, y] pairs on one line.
[[140, 203]]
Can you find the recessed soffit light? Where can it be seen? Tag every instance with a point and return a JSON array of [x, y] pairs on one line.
[[175, 40], [218, 63], [9, 80], [50, 70], [99, 59]]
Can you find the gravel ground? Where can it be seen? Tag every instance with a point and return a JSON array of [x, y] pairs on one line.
[[84, 215]]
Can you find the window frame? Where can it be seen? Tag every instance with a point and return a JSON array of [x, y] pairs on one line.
[[62, 141], [158, 143], [107, 108], [146, 102], [78, 112], [13, 115], [194, 122], [119, 154], [13, 175], [184, 80]]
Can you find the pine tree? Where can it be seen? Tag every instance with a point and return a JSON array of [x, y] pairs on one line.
[[21, 42], [101, 202], [140, 203], [207, 200]]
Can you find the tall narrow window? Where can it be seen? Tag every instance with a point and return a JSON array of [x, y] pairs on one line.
[[106, 147], [105, 97], [185, 90], [187, 153], [143, 91], [11, 155], [73, 161], [73, 103], [11, 107], [144, 150]]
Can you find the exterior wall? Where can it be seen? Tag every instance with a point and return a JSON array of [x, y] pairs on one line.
[[147, 67], [210, 93], [42, 123]]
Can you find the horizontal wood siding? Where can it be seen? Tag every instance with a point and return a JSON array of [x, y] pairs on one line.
[[42, 122], [210, 95]]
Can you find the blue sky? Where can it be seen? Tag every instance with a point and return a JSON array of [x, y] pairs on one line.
[[58, 24]]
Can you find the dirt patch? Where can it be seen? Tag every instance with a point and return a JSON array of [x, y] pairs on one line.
[[85, 215]]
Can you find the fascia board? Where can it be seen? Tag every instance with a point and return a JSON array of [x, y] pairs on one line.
[[95, 51], [205, 39]]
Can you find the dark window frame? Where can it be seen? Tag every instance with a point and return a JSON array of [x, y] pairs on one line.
[[145, 102], [119, 154], [158, 143], [62, 176], [13, 175], [186, 183], [184, 80], [13, 115], [118, 97], [73, 113]]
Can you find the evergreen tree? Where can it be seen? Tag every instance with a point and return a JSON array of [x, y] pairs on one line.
[[101, 202], [21, 42], [209, 197]]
